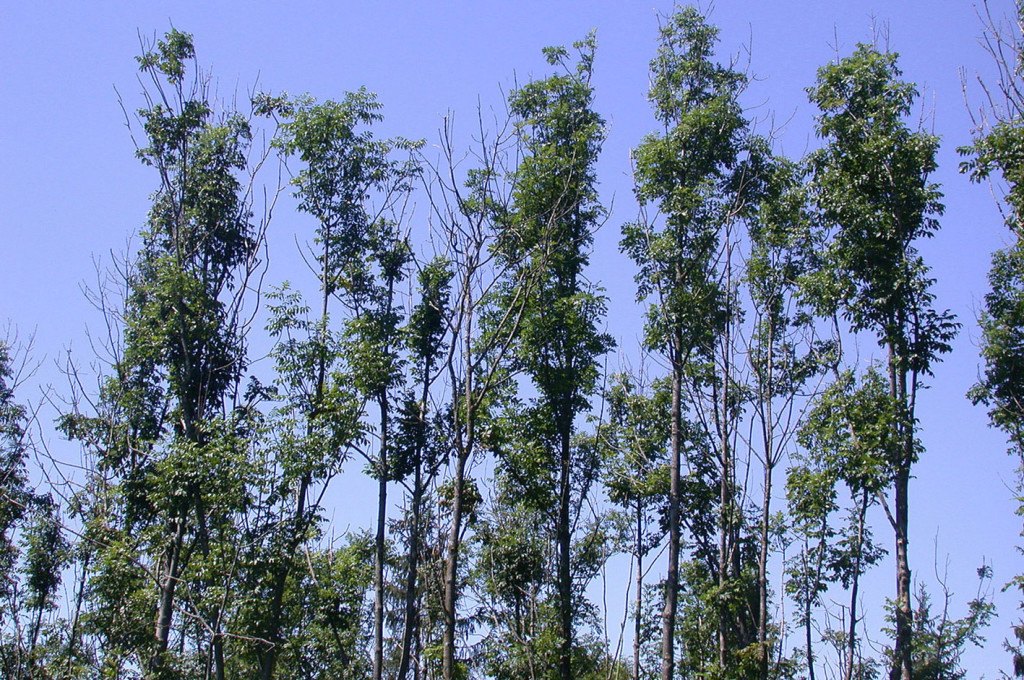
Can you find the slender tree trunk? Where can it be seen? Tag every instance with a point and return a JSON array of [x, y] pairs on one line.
[[903, 663], [762, 565], [766, 387], [218, 654], [902, 669], [564, 538], [268, 658], [639, 605], [451, 568], [723, 561], [668, 617], [726, 543], [165, 605], [378, 567], [851, 637], [808, 641], [76, 619], [725, 530], [465, 437], [37, 624], [412, 577]]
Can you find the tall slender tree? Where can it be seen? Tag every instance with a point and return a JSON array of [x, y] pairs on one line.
[[687, 174], [998, 150], [548, 233], [782, 353], [426, 335], [33, 548], [350, 184], [634, 443], [171, 461], [871, 186], [467, 211]]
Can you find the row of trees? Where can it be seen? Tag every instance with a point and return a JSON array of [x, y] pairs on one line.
[[465, 371]]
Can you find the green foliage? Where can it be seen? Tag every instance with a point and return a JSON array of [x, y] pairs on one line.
[[551, 230], [14, 486], [634, 445], [331, 635], [427, 322], [940, 640], [343, 166], [203, 550], [687, 171], [998, 151], [1002, 324], [46, 554], [169, 57], [173, 473], [544, 242], [33, 548], [854, 431], [870, 183]]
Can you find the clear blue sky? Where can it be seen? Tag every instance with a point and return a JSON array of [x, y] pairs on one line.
[[71, 190]]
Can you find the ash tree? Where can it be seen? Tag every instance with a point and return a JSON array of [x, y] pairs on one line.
[[633, 443], [170, 450], [468, 209], [784, 353], [351, 184], [998, 153], [872, 190], [690, 182], [420, 436], [545, 239], [33, 547]]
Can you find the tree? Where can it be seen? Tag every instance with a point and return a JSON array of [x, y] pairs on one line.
[[871, 187], [33, 548], [14, 485], [171, 465], [998, 150], [634, 445], [783, 352], [418, 446], [687, 172], [939, 639], [299, 446], [548, 233], [343, 167], [467, 211], [847, 437]]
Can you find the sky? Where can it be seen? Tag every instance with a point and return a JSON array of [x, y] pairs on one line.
[[72, 194]]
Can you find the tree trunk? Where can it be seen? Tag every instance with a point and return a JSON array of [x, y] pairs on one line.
[[902, 664], [564, 538], [902, 668], [668, 617], [762, 565], [412, 578], [76, 619], [268, 659], [378, 566], [464, 449], [218, 654], [165, 605], [451, 568], [808, 640], [723, 561], [851, 638], [637, 620]]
